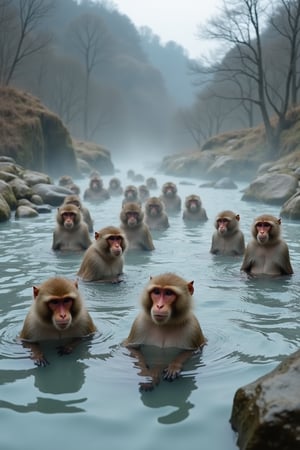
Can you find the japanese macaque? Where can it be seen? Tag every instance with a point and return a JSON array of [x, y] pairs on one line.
[[57, 313], [65, 180], [75, 200], [104, 260], [143, 192], [155, 215], [267, 253], [71, 232], [137, 232], [131, 195], [166, 321], [227, 239], [96, 192], [130, 174], [151, 183], [114, 187], [193, 209], [170, 198]]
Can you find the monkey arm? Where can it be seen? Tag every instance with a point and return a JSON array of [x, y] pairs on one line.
[[55, 243], [68, 348], [284, 261], [36, 353], [175, 367], [247, 261], [153, 374], [147, 241]]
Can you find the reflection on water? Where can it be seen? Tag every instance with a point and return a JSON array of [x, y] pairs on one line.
[[251, 325]]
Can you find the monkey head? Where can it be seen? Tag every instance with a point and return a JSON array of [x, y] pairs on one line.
[[111, 240], [154, 206], [266, 229], [132, 215], [68, 216], [169, 189], [167, 298]]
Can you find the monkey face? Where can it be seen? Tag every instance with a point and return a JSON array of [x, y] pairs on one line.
[[68, 219], [162, 300]]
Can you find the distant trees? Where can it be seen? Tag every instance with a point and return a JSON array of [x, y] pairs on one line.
[[20, 33], [262, 67], [93, 42]]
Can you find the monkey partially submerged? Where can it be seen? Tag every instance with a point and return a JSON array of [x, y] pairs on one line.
[[57, 313], [267, 253], [104, 259], [165, 321]]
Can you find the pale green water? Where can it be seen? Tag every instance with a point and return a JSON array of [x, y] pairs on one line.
[[90, 399]]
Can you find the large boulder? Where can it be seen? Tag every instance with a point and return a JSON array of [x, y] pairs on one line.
[[266, 413], [33, 136], [291, 208], [272, 189]]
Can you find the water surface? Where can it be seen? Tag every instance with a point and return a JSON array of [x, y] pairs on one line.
[[90, 399]]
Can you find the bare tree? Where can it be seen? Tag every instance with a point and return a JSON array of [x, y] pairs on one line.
[[240, 26], [93, 42], [20, 35]]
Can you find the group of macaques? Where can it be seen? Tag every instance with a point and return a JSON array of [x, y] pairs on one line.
[[166, 319], [266, 253]]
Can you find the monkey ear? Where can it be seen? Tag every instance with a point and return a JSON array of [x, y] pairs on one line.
[[76, 284], [151, 277], [97, 235], [237, 217], [190, 286], [35, 291], [279, 221]]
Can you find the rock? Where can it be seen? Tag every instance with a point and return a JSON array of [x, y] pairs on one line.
[[273, 189], [225, 183], [5, 212], [32, 177], [97, 157], [50, 193], [36, 199], [38, 208], [34, 136], [266, 413], [7, 176], [291, 208], [8, 194], [23, 212], [20, 188]]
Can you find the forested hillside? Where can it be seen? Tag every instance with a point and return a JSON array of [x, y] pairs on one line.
[[87, 64]]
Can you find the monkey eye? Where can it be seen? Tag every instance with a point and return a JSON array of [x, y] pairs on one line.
[[67, 300], [166, 292], [263, 224], [223, 220], [156, 291], [53, 302], [67, 214], [169, 292], [114, 238]]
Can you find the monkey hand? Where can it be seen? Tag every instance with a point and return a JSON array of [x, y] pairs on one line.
[[172, 372], [39, 359], [64, 350], [154, 375]]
